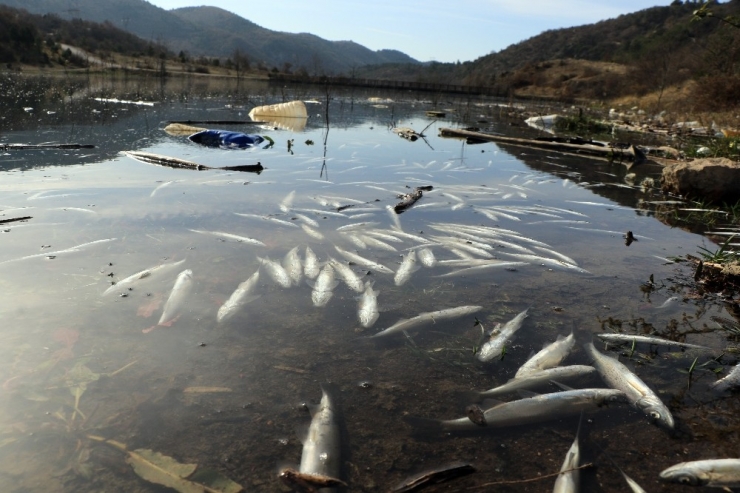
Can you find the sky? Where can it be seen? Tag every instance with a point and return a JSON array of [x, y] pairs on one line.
[[440, 30]]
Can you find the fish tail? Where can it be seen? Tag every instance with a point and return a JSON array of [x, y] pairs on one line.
[[470, 396]]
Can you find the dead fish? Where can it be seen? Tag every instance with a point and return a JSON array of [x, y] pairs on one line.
[[568, 480], [349, 276], [311, 266], [275, 220], [307, 220], [495, 345], [628, 338], [322, 442], [529, 410], [434, 476], [276, 272], [429, 317], [178, 296], [490, 264], [353, 257], [160, 187], [376, 243], [408, 267], [618, 376], [323, 288], [367, 310], [287, 202], [58, 252], [717, 473], [426, 257], [144, 274], [557, 374], [549, 357], [240, 297], [292, 265], [356, 226], [238, 238], [316, 235], [731, 380]]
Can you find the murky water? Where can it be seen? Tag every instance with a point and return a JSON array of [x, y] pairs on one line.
[[79, 367]]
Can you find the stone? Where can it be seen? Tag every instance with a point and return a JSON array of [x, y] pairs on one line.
[[714, 180]]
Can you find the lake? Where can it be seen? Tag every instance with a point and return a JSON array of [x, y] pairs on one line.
[[95, 373]]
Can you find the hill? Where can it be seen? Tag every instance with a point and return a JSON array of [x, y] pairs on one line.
[[214, 32]]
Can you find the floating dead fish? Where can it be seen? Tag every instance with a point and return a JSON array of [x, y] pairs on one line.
[[367, 310], [426, 257], [287, 202], [530, 410], [230, 236], [640, 396], [557, 374], [175, 302], [308, 483], [427, 318], [438, 475], [349, 276], [628, 338], [276, 272], [322, 443], [240, 297], [408, 267], [59, 252], [731, 380], [549, 357], [499, 338], [275, 220], [360, 260], [317, 235], [715, 473], [144, 274], [568, 480], [323, 288], [311, 266], [489, 264], [292, 265]]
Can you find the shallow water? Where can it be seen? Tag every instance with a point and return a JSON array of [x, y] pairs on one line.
[[76, 365]]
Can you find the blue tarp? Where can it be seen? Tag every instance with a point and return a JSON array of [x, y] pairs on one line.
[[226, 139]]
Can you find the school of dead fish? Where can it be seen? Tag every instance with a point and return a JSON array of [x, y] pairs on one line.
[[462, 250], [453, 250]]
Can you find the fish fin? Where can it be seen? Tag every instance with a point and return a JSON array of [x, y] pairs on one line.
[[525, 394], [561, 385], [251, 298]]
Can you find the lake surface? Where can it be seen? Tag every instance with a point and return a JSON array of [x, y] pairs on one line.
[[82, 371]]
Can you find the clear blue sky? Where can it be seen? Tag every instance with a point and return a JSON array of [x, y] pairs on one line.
[[442, 30]]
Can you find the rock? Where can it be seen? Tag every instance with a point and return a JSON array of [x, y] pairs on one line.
[[711, 179]]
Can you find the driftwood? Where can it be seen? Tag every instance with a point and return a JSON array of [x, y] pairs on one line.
[[24, 147], [410, 198], [173, 162], [24, 218], [216, 122], [629, 153], [406, 133]]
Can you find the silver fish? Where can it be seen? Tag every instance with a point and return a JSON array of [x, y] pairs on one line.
[[282, 222], [322, 444], [307, 220], [568, 480], [429, 317], [316, 235], [545, 376], [551, 262], [276, 272], [408, 267], [324, 286], [550, 356], [367, 310], [180, 292], [426, 257], [536, 409], [374, 242], [240, 297], [240, 239], [355, 226], [498, 340], [292, 265], [356, 241], [385, 236], [144, 274], [311, 266], [353, 257], [628, 338], [350, 277], [489, 264], [287, 202], [732, 379], [717, 473], [618, 376]]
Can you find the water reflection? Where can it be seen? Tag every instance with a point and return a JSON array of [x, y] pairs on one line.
[[78, 368]]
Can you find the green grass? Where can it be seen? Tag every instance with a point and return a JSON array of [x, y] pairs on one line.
[[720, 256]]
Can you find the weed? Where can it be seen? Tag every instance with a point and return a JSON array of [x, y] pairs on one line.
[[721, 255]]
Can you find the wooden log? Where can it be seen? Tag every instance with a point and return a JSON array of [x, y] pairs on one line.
[[173, 162], [25, 147], [632, 154], [24, 218]]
